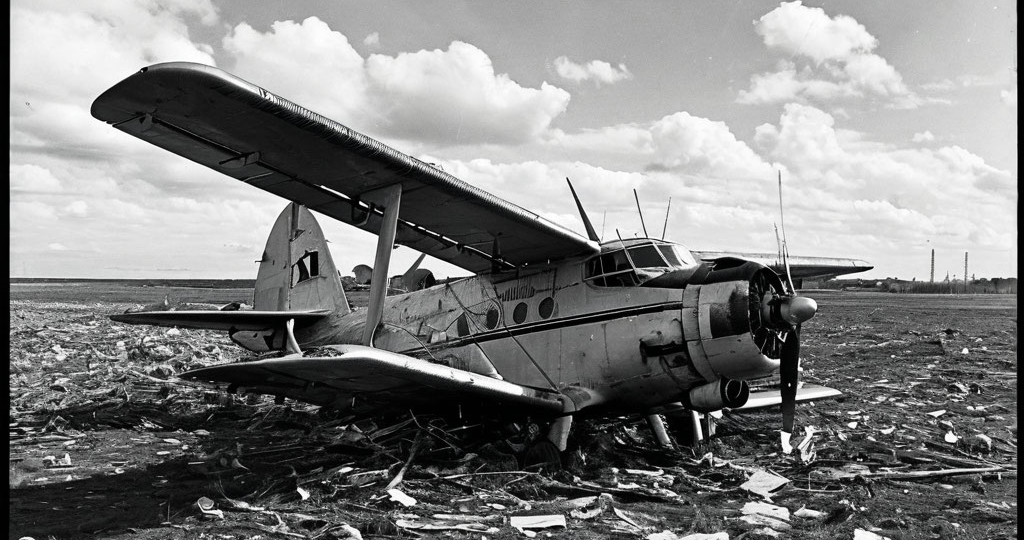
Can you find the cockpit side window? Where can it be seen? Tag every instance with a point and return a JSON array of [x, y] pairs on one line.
[[611, 270]]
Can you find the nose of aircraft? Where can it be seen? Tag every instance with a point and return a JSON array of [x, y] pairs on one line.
[[797, 309]]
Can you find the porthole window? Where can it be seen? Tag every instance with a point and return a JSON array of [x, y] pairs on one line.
[[492, 318], [546, 308], [519, 315]]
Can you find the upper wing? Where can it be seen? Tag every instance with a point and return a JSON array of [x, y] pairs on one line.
[[245, 132], [799, 267], [365, 376]]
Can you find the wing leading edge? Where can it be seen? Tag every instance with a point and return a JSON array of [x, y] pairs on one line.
[[241, 130]]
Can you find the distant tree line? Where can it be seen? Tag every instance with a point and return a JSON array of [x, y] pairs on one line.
[[895, 285]]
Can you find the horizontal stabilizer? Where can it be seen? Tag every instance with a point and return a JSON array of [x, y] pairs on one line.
[[378, 378], [761, 399], [223, 320]]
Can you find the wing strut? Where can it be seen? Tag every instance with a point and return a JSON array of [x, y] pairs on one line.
[[390, 198]]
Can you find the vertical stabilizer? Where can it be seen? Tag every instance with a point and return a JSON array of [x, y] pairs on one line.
[[297, 271]]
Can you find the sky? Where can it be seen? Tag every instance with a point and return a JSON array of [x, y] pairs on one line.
[[893, 124]]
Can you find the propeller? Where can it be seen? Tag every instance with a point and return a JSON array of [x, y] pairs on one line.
[[793, 311]]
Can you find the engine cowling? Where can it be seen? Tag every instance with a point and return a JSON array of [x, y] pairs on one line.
[[724, 325]]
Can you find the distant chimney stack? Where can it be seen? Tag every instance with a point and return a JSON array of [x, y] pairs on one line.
[[931, 279]]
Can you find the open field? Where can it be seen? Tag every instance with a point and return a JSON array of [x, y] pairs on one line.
[[106, 443]]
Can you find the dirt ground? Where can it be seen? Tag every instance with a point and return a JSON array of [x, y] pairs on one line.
[[105, 442]]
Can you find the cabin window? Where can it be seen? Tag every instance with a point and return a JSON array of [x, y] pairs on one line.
[[307, 267], [492, 318], [611, 270], [547, 307], [519, 314]]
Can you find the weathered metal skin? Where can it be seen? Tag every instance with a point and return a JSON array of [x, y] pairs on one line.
[[550, 329], [682, 335]]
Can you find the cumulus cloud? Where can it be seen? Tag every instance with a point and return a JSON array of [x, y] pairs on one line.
[[68, 169], [450, 95], [79, 184], [1009, 97], [923, 137], [698, 145], [52, 85], [910, 193], [286, 57], [598, 71], [829, 58], [372, 40], [33, 179], [456, 95], [803, 31], [78, 209], [680, 143]]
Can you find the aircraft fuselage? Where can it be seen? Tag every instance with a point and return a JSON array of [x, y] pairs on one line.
[[566, 328]]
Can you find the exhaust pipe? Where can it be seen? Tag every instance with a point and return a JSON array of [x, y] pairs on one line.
[[717, 395]]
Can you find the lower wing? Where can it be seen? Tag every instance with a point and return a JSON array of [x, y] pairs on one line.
[[222, 320], [760, 399], [364, 377]]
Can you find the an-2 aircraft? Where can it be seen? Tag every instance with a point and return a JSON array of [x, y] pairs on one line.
[[552, 326]]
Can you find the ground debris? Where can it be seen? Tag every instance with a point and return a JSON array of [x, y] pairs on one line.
[[764, 483], [106, 396]]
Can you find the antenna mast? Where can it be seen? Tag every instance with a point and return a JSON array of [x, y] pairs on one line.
[[641, 212], [583, 214], [665, 227]]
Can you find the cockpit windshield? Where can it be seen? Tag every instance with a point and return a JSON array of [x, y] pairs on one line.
[[631, 265]]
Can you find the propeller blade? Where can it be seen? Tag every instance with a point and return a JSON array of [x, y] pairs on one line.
[[785, 247], [789, 371]]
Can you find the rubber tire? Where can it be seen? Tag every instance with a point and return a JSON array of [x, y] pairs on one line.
[[542, 455], [681, 429]]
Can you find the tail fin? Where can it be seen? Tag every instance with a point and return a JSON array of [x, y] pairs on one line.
[[297, 271]]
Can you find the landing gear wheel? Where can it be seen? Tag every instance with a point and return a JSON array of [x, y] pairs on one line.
[[684, 431], [542, 455], [681, 429]]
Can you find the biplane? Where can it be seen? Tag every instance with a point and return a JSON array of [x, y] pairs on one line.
[[552, 325]]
